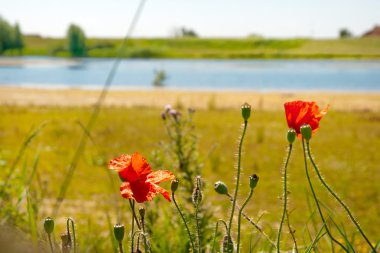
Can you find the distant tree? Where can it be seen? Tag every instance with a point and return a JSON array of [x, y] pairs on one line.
[[76, 41], [6, 40], [344, 33], [18, 38], [10, 36], [185, 32]]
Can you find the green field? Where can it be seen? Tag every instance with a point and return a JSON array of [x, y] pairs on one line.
[[215, 48], [345, 147]]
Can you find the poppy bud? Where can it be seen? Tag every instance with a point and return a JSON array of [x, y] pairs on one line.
[[118, 231], [174, 185], [246, 111], [142, 212], [221, 188], [253, 180], [227, 244], [291, 135], [306, 132], [49, 225]]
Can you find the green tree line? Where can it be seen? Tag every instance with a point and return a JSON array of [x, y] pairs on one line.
[[10, 36]]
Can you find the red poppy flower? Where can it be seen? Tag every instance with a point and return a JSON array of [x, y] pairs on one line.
[[299, 113], [140, 181]]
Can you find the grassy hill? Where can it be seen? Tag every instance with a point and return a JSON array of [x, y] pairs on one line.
[[356, 48]]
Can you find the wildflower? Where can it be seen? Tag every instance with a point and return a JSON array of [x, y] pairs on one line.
[[118, 231], [49, 225], [140, 182], [291, 135], [253, 181], [299, 113]]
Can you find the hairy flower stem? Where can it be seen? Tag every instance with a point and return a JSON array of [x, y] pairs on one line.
[[134, 218], [184, 221], [330, 190], [216, 232], [145, 240], [285, 197], [239, 219], [291, 231], [197, 224], [253, 223], [317, 201], [50, 243], [237, 177]]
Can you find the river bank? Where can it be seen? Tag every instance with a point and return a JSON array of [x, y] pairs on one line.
[[158, 98]]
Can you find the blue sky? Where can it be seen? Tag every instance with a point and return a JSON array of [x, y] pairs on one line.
[[209, 18]]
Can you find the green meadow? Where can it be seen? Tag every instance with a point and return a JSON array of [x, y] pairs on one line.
[[346, 148], [218, 48]]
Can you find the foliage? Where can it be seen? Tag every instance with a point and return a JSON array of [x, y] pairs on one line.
[[140, 126], [10, 37], [76, 41], [184, 32], [344, 33]]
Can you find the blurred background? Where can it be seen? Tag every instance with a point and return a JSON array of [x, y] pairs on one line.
[[58, 131]]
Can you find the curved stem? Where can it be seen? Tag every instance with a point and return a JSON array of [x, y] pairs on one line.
[[50, 243], [329, 189], [316, 200], [237, 177], [215, 233], [239, 219], [285, 196], [184, 221]]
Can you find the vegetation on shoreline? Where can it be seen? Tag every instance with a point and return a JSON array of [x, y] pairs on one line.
[[194, 48]]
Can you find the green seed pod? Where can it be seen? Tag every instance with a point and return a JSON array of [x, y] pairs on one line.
[[291, 135], [221, 188], [253, 180], [246, 111], [227, 244], [306, 132], [118, 231], [49, 225], [174, 185]]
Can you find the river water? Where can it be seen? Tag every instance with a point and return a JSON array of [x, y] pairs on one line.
[[250, 75]]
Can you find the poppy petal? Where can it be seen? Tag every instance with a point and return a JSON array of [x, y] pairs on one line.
[[159, 176], [140, 165], [126, 190], [120, 163], [158, 189]]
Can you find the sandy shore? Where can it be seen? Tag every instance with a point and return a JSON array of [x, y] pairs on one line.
[[197, 99]]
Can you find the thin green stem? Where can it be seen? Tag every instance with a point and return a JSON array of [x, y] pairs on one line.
[[329, 189], [134, 216], [132, 203], [239, 218], [121, 247], [253, 223], [184, 221], [197, 224], [215, 233], [50, 243], [237, 177], [291, 231], [285, 196], [316, 200], [144, 237]]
